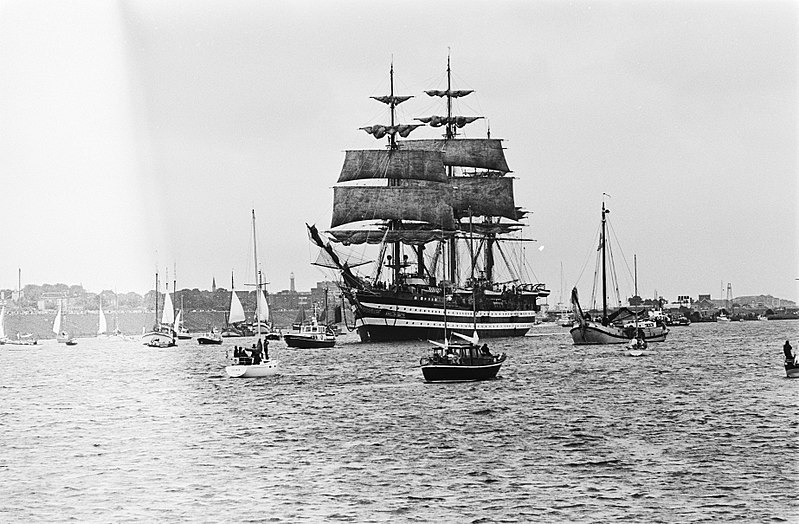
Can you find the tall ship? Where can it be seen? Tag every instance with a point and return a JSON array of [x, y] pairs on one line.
[[441, 222]]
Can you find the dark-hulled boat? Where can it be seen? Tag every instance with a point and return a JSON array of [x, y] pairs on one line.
[[791, 367], [310, 336], [212, 337], [460, 362], [427, 190]]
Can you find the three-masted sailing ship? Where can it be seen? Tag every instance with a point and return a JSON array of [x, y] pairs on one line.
[[443, 197]]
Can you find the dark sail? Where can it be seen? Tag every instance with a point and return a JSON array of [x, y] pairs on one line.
[[358, 203], [397, 164], [481, 153]]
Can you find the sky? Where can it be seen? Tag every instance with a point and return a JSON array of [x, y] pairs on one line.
[[138, 135]]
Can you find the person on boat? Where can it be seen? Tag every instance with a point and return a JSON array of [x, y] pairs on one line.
[[266, 349], [485, 351], [788, 350]]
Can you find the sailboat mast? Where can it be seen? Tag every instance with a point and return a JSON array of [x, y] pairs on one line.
[[258, 278], [156, 298], [604, 276]]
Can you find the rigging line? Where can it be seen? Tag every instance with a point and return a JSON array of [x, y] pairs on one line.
[[630, 273], [614, 277], [597, 269], [508, 264], [587, 258]]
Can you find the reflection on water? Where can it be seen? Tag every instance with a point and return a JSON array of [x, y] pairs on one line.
[[703, 429]]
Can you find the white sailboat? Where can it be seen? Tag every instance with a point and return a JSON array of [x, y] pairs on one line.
[[62, 336], [180, 329], [235, 315], [102, 325], [3, 325], [162, 335], [246, 367]]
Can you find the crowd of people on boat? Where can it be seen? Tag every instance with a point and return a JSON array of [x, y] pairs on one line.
[[258, 353]]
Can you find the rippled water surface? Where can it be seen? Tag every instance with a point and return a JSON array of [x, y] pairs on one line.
[[704, 429]]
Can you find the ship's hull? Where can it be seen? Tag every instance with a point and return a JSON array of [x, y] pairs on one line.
[[593, 333], [380, 319]]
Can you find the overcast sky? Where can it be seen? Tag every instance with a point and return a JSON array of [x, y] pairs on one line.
[[140, 134]]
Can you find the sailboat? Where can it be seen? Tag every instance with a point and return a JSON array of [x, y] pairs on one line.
[[180, 329], [102, 324], [254, 366], [21, 340], [460, 361], [162, 335], [615, 328], [62, 336], [265, 317], [427, 188], [236, 317], [3, 337]]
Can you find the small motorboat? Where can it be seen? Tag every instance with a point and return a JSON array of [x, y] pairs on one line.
[[311, 336], [212, 337], [460, 362]]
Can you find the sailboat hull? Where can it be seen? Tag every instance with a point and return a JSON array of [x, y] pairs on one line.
[[263, 369], [791, 369], [593, 333], [460, 372]]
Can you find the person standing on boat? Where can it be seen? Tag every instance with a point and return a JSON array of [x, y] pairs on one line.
[[788, 350], [266, 349]]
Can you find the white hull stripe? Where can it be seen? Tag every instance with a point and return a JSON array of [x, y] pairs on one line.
[[415, 310], [435, 324]]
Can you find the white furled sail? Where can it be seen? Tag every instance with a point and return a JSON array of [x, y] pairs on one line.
[[263, 307], [102, 326], [57, 321], [236, 309], [168, 317]]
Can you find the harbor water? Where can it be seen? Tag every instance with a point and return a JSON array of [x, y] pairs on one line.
[[704, 428]]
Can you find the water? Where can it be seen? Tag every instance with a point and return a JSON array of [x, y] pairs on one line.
[[704, 430]]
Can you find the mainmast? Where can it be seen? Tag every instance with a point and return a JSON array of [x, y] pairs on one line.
[[604, 276], [449, 134], [396, 247]]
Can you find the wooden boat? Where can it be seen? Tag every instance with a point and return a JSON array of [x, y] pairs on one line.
[[243, 367], [427, 186], [616, 328]]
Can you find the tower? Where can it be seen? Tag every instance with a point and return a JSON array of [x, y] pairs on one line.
[[291, 286]]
